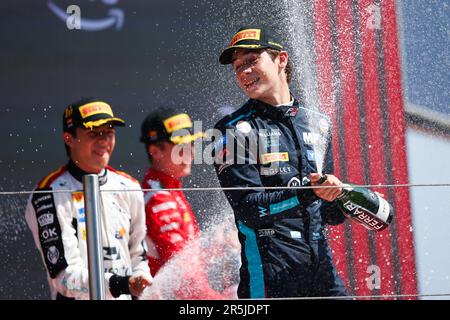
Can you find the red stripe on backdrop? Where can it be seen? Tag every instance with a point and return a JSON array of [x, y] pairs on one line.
[[375, 133], [397, 128], [324, 63], [352, 136]]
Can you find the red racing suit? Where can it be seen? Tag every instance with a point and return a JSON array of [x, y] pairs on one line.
[[171, 224]]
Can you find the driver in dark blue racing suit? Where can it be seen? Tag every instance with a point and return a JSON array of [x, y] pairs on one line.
[[274, 141]]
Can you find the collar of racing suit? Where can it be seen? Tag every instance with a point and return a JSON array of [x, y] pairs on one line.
[[78, 173], [276, 112], [167, 182]]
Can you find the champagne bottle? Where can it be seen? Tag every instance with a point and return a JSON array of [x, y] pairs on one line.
[[364, 206]]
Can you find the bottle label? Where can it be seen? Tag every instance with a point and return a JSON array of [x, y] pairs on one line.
[[383, 209], [367, 219]]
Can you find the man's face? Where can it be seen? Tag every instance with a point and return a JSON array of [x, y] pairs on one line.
[[256, 73], [174, 160], [91, 149]]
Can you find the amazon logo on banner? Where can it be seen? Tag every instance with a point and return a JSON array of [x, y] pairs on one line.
[[74, 20]]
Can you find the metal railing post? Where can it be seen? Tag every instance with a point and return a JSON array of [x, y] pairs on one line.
[[94, 237]]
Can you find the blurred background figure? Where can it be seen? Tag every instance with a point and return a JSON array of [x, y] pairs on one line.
[[171, 223]]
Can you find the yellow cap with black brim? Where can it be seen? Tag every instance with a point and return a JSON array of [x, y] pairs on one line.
[[89, 113]]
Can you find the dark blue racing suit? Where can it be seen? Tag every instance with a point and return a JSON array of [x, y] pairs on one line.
[[284, 249]]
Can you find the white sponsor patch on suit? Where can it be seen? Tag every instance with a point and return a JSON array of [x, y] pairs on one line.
[[164, 206], [266, 232], [311, 138], [52, 255], [296, 235], [243, 126], [46, 219]]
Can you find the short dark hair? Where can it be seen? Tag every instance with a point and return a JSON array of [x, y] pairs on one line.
[[288, 70], [73, 132]]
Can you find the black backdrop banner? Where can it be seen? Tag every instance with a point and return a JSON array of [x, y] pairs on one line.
[[138, 55]]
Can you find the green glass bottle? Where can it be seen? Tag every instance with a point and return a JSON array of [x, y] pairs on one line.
[[365, 207]]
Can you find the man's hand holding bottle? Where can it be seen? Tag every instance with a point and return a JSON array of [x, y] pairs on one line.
[[326, 180], [360, 204]]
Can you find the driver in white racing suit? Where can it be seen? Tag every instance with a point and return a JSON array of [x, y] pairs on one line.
[[56, 214]]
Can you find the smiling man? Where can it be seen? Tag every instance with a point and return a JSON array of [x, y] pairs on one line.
[[57, 219], [284, 251]]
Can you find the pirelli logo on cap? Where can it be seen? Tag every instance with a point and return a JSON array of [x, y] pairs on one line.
[[248, 34], [274, 157], [180, 121], [93, 108]]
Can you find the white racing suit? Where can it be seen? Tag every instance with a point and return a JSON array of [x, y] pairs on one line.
[[58, 223]]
